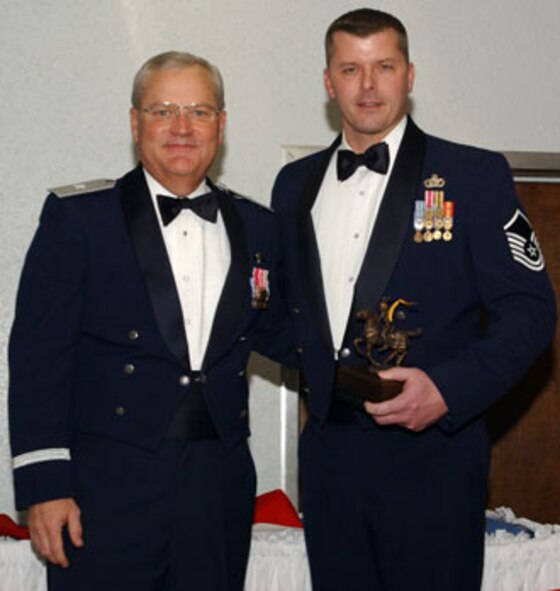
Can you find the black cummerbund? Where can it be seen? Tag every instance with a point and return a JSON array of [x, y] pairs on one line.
[[193, 420]]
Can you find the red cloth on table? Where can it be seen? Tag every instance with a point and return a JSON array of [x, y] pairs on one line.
[[11, 529], [276, 508]]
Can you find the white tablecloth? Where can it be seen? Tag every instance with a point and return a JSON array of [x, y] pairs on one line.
[[20, 569], [519, 563], [278, 562]]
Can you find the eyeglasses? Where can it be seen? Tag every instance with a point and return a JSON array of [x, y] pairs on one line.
[[169, 112]]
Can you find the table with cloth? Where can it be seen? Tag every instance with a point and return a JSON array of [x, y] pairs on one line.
[[521, 555]]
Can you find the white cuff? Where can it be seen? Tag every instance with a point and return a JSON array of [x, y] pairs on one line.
[[40, 455]]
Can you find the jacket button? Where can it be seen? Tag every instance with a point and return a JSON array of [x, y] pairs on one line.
[[242, 338], [243, 414], [120, 411], [184, 380], [345, 353], [299, 350], [241, 373], [295, 310], [133, 335], [306, 390], [129, 368]]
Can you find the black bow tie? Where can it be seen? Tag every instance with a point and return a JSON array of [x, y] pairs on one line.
[[376, 158], [205, 206]]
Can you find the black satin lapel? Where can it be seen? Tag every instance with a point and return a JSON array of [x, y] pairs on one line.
[[393, 220], [311, 276], [236, 293], [154, 263]]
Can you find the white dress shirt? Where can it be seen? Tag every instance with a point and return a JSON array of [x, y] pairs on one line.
[[199, 254], [344, 215]]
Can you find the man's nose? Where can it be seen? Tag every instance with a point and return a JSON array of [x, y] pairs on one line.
[[182, 123], [368, 80]]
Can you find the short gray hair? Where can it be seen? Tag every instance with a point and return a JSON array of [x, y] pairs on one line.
[[176, 60]]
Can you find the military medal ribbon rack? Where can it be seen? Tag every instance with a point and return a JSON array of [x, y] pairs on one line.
[[433, 217]]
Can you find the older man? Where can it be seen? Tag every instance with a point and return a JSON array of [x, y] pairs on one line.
[[139, 303]]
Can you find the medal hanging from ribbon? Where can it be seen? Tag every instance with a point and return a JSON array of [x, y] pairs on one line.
[[260, 292], [433, 217]]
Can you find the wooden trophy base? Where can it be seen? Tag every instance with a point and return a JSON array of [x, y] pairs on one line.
[[356, 384]]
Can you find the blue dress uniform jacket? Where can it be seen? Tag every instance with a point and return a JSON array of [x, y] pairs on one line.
[[98, 345], [430, 484], [449, 281]]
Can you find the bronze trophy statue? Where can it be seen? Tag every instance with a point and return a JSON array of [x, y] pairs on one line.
[[383, 345]]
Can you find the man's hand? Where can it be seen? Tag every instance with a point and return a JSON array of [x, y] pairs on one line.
[[419, 405], [46, 521]]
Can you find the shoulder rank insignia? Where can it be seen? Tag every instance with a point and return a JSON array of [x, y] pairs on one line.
[[83, 188], [523, 242], [433, 216], [228, 191]]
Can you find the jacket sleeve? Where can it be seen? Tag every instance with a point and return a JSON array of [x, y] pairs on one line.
[[274, 336], [516, 295], [41, 353]]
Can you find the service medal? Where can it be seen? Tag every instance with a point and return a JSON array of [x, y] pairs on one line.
[[260, 290], [418, 221], [437, 213], [448, 207]]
